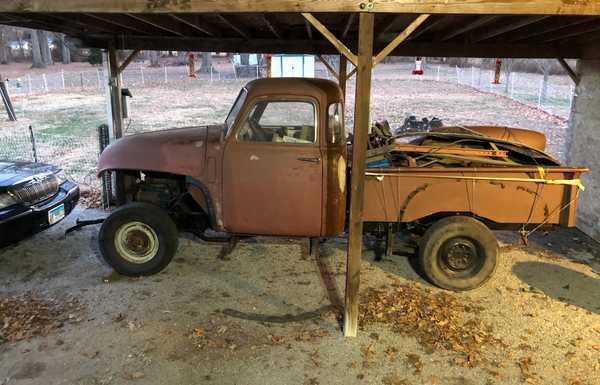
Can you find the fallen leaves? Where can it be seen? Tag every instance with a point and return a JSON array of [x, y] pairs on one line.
[[29, 315], [525, 364], [438, 321]]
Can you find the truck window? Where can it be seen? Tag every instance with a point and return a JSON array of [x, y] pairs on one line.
[[281, 121], [335, 123], [235, 110]]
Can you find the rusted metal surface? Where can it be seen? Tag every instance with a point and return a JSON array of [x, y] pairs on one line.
[[410, 194], [530, 138], [441, 150]]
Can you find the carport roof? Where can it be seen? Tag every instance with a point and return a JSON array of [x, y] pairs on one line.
[[477, 28]]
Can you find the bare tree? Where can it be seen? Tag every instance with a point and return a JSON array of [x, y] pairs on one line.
[[65, 51], [4, 48], [544, 67], [43, 38], [36, 51], [206, 62], [154, 58], [508, 64]]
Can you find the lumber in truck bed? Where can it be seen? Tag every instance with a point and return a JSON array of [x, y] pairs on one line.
[[502, 195]]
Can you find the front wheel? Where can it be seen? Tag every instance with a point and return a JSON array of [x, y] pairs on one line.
[[458, 253], [138, 239]]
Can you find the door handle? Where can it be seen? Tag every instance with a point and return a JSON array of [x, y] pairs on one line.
[[311, 160]]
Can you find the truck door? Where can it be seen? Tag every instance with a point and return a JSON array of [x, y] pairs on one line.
[[273, 170]]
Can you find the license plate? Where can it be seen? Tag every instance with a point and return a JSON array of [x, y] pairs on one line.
[[56, 214]]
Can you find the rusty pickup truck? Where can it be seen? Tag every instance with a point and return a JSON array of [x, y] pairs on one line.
[[278, 166]]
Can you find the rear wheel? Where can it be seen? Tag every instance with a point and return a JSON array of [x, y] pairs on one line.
[[458, 253], [138, 239]]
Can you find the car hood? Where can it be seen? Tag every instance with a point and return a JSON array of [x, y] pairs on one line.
[[177, 151], [12, 173]]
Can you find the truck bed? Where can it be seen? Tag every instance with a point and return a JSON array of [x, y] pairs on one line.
[[504, 195]]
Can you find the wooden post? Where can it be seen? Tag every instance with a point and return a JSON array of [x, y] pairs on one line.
[[359, 148], [115, 93], [342, 73]]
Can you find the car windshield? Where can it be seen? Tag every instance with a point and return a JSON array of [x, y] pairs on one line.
[[235, 110]]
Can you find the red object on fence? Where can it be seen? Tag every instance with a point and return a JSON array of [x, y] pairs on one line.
[[498, 71], [418, 66]]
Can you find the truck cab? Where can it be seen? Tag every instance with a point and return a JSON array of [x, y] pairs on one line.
[[276, 166]]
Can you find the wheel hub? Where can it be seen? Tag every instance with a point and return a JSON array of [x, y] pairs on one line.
[[460, 254], [136, 242]]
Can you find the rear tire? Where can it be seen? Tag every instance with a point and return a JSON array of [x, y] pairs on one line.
[[458, 253], [138, 239]]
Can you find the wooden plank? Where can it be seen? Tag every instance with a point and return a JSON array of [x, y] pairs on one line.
[[483, 7], [349, 23], [157, 23], [331, 37], [555, 24], [440, 150], [115, 93], [572, 74], [505, 28], [359, 148], [323, 47], [399, 39], [329, 67], [343, 75], [272, 25], [117, 20]]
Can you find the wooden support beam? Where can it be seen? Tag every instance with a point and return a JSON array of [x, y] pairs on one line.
[[482, 7], [309, 32], [157, 23], [505, 28], [331, 37], [428, 26], [128, 61], [478, 22], [352, 73], [329, 67], [572, 74], [359, 148], [237, 28], [343, 70], [115, 93], [272, 25], [399, 39], [194, 22]]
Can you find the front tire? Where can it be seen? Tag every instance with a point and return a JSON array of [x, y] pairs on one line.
[[458, 253], [138, 239]]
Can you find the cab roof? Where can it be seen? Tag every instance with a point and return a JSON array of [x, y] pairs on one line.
[[317, 88]]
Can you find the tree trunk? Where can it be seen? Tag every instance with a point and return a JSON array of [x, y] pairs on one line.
[[44, 47], [545, 85], [154, 58], [206, 62], [4, 50], [508, 63], [65, 51], [36, 51]]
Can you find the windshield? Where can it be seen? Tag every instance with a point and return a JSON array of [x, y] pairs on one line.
[[235, 110]]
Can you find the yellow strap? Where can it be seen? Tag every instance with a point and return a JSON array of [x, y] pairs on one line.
[[567, 182], [542, 172]]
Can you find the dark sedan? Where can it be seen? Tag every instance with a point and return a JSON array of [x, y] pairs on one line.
[[33, 197]]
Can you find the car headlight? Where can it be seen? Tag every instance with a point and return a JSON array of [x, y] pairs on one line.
[[7, 200], [61, 176]]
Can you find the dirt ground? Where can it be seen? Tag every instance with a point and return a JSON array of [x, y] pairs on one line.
[[268, 313]]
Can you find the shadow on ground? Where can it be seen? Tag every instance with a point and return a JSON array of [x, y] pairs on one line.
[[566, 285]]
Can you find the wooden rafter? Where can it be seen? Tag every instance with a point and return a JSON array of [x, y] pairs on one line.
[[193, 22], [329, 67], [331, 37], [309, 32], [399, 39], [573, 32], [505, 28], [272, 25], [159, 24], [238, 29], [116, 21], [504, 7], [572, 74], [428, 26], [479, 22], [553, 25], [387, 25], [349, 22]]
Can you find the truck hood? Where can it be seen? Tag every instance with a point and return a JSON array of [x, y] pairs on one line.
[[12, 173], [177, 151]]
